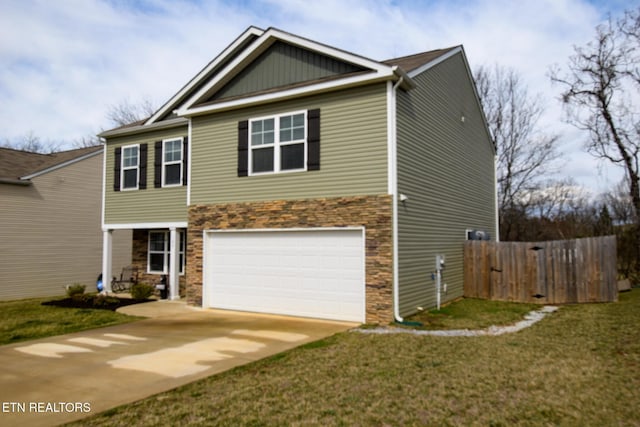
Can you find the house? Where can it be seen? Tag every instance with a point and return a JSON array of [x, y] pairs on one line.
[[50, 222], [296, 178]]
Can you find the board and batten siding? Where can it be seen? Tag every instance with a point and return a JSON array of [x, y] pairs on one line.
[[151, 204], [50, 233], [353, 151], [446, 169], [283, 64]]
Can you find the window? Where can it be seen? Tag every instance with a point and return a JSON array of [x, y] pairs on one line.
[[278, 144], [172, 162], [130, 164], [158, 257]]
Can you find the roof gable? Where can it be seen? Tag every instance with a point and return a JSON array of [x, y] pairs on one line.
[[17, 167], [213, 67], [266, 51], [412, 64], [282, 65], [272, 65]]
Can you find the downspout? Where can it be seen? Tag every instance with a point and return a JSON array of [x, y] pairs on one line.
[[394, 185], [495, 189]]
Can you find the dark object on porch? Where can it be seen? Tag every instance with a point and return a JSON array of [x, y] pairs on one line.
[[163, 287], [128, 277]]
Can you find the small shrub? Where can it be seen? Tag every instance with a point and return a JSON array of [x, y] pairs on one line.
[[141, 291], [75, 290], [100, 301]]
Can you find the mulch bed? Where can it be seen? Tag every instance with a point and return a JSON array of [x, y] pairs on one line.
[[98, 302]]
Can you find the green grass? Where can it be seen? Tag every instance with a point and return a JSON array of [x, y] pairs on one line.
[[578, 367], [27, 319], [471, 313]]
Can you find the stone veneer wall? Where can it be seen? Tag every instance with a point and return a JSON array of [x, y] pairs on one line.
[[139, 248], [372, 212]]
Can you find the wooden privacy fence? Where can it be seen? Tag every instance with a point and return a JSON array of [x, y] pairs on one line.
[[557, 272]]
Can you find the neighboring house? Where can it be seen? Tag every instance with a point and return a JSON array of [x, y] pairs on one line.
[[292, 177], [50, 235]]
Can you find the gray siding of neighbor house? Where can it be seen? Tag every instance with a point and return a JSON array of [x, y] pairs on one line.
[[353, 151], [50, 233], [283, 64], [446, 168], [151, 204]]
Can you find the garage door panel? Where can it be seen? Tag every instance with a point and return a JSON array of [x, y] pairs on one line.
[[316, 273]]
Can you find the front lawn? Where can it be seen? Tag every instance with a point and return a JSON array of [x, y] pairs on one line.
[[28, 319], [579, 366], [471, 313]]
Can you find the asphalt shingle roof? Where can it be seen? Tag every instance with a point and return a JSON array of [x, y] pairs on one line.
[[411, 62], [15, 164]]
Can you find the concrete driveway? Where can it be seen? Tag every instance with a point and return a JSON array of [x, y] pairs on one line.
[[59, 379]]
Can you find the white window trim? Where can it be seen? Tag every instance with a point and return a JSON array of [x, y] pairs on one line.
[[181, 162], [123, 169], [277, 144], [182, 234]]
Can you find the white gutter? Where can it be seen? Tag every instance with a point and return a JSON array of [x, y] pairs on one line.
[[132, 130], [393, 188], [104, 183], [189, 163]]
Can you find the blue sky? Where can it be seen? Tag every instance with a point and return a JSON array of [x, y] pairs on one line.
[[64, 63]]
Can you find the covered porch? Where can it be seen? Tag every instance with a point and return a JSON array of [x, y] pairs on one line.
[[158, 249]]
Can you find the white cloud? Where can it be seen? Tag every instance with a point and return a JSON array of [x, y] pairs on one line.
[[65, 63]]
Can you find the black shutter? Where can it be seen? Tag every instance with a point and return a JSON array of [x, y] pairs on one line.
[[313, 140], [157, 165], [243, 148], [116, 168], [142, 185], [185, 157]]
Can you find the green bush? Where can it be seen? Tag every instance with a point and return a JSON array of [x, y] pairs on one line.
[[141, 291], [75, 290], [103, 300]]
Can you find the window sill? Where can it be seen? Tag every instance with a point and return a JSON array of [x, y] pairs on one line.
[[278, 173]]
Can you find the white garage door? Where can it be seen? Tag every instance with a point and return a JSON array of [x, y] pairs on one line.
[[317, 273]]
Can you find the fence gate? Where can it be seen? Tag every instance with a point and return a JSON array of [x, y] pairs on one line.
[[556, 272]]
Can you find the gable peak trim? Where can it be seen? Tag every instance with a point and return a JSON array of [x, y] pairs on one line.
[[261, 44], [232, 48], [452, 52]]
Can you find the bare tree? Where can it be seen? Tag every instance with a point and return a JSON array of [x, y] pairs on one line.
[[86, 141], [126, 112], [598, 92], [620, 204], [525, 153], [32, 143]]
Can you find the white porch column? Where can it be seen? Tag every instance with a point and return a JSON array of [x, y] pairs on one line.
[[174, 269], [107, 259]]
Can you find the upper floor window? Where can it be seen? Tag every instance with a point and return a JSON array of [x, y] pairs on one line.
[[278, 143], [170, 165], [172, 162], [130, 166]]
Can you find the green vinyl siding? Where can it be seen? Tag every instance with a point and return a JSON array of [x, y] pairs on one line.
[[281, 65], [446, 169], [353, 151], [149, 205]]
